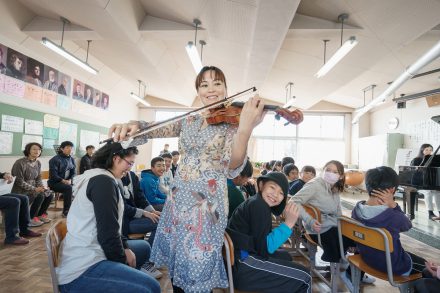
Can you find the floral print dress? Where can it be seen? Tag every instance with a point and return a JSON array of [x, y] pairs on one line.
[[189, 237]]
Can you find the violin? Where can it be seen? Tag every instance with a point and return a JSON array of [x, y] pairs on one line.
[[231, 114], [228, 114]]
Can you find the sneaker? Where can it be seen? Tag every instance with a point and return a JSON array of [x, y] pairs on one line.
[[64, 214], [18, 241], [149, 269], [347, 281], [35, 222], [44, 218], [368, 279]]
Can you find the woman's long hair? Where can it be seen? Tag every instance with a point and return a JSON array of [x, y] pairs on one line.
[[422, 148]]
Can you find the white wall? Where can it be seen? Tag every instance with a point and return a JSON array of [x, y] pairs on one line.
[[416, 112]]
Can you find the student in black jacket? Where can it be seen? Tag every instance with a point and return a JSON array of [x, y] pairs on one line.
[[86, 161], [61, 172], [259, 267], [139, 215]]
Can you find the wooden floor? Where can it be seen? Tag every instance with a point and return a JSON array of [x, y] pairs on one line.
[[25, 268]]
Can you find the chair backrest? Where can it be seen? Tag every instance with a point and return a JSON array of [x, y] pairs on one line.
[[228, 255], [44, 175], [377, 238], [54, 237], [312, 211], [229, 246]]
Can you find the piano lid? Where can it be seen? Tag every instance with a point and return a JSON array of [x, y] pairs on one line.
[[436, 119]]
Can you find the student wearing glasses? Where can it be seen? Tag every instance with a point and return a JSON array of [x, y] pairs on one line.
[[95, 256]]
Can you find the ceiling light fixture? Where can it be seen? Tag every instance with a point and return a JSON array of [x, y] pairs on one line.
[[137, 96], [289, 98], [191, 50], [342, 51], [59, 49]]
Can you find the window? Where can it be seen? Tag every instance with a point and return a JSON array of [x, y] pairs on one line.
[[158, 143], [318, 139]]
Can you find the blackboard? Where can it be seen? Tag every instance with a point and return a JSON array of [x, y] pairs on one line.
[[10, 110]]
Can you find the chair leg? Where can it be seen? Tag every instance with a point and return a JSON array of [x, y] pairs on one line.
[[334, 270], [312, 249], [355, 278]]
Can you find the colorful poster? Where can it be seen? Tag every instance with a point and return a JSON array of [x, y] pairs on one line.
[[64, 102], [33, 127], [13, 87], [33, 92], [88, 137], [49, 143], [51, 121], [12, 123], [30, 138], [51, 133], [6, 139], [49, 97], [68, 131]]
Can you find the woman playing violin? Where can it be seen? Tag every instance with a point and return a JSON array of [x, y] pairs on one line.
[[189, 237]]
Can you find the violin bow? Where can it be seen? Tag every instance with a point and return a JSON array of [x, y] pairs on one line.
[[157, 125]]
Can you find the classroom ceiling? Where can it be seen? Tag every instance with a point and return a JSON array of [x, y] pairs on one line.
[[257, 43]]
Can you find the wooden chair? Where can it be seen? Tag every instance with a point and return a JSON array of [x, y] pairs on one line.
[[135, 236], [312, 248], [54, 237], [228, 254], [45, 176], [377, 238]]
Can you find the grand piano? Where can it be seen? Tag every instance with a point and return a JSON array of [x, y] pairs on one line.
[[425, 177]]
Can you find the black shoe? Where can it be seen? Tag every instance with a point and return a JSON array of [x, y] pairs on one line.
[[64, 214]]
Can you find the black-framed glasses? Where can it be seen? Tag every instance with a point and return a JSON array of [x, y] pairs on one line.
[[129, 163]]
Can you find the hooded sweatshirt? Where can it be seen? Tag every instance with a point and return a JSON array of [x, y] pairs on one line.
[[93, 225], [250, 228], [150, 185], [395, 221]]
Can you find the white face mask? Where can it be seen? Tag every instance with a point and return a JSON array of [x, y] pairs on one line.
[[330, 178]]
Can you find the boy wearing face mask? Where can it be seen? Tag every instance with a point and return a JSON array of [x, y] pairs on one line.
[[381, 211], [323, 192]]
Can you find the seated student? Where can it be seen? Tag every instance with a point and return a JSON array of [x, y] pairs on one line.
[[95, 257], [307, 173], [176, 157], [235, 195], [257, 266], [167, 177], [430, 283], [139, 216], [287, 160], [324, 193], [150, 183], [277, 166], [381, 211], [61, 172], [16, 215], [27, 171], [86, 160], [291, 171]]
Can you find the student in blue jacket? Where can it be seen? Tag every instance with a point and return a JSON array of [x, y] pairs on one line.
[[150, 182], [381, 211], [259, 266]]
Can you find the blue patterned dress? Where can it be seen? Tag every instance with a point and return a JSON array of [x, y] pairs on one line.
[[189, 237]]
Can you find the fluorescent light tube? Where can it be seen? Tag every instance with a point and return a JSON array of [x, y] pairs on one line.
[[193, 55], [60, 50], [139, 99], [342, 51]]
